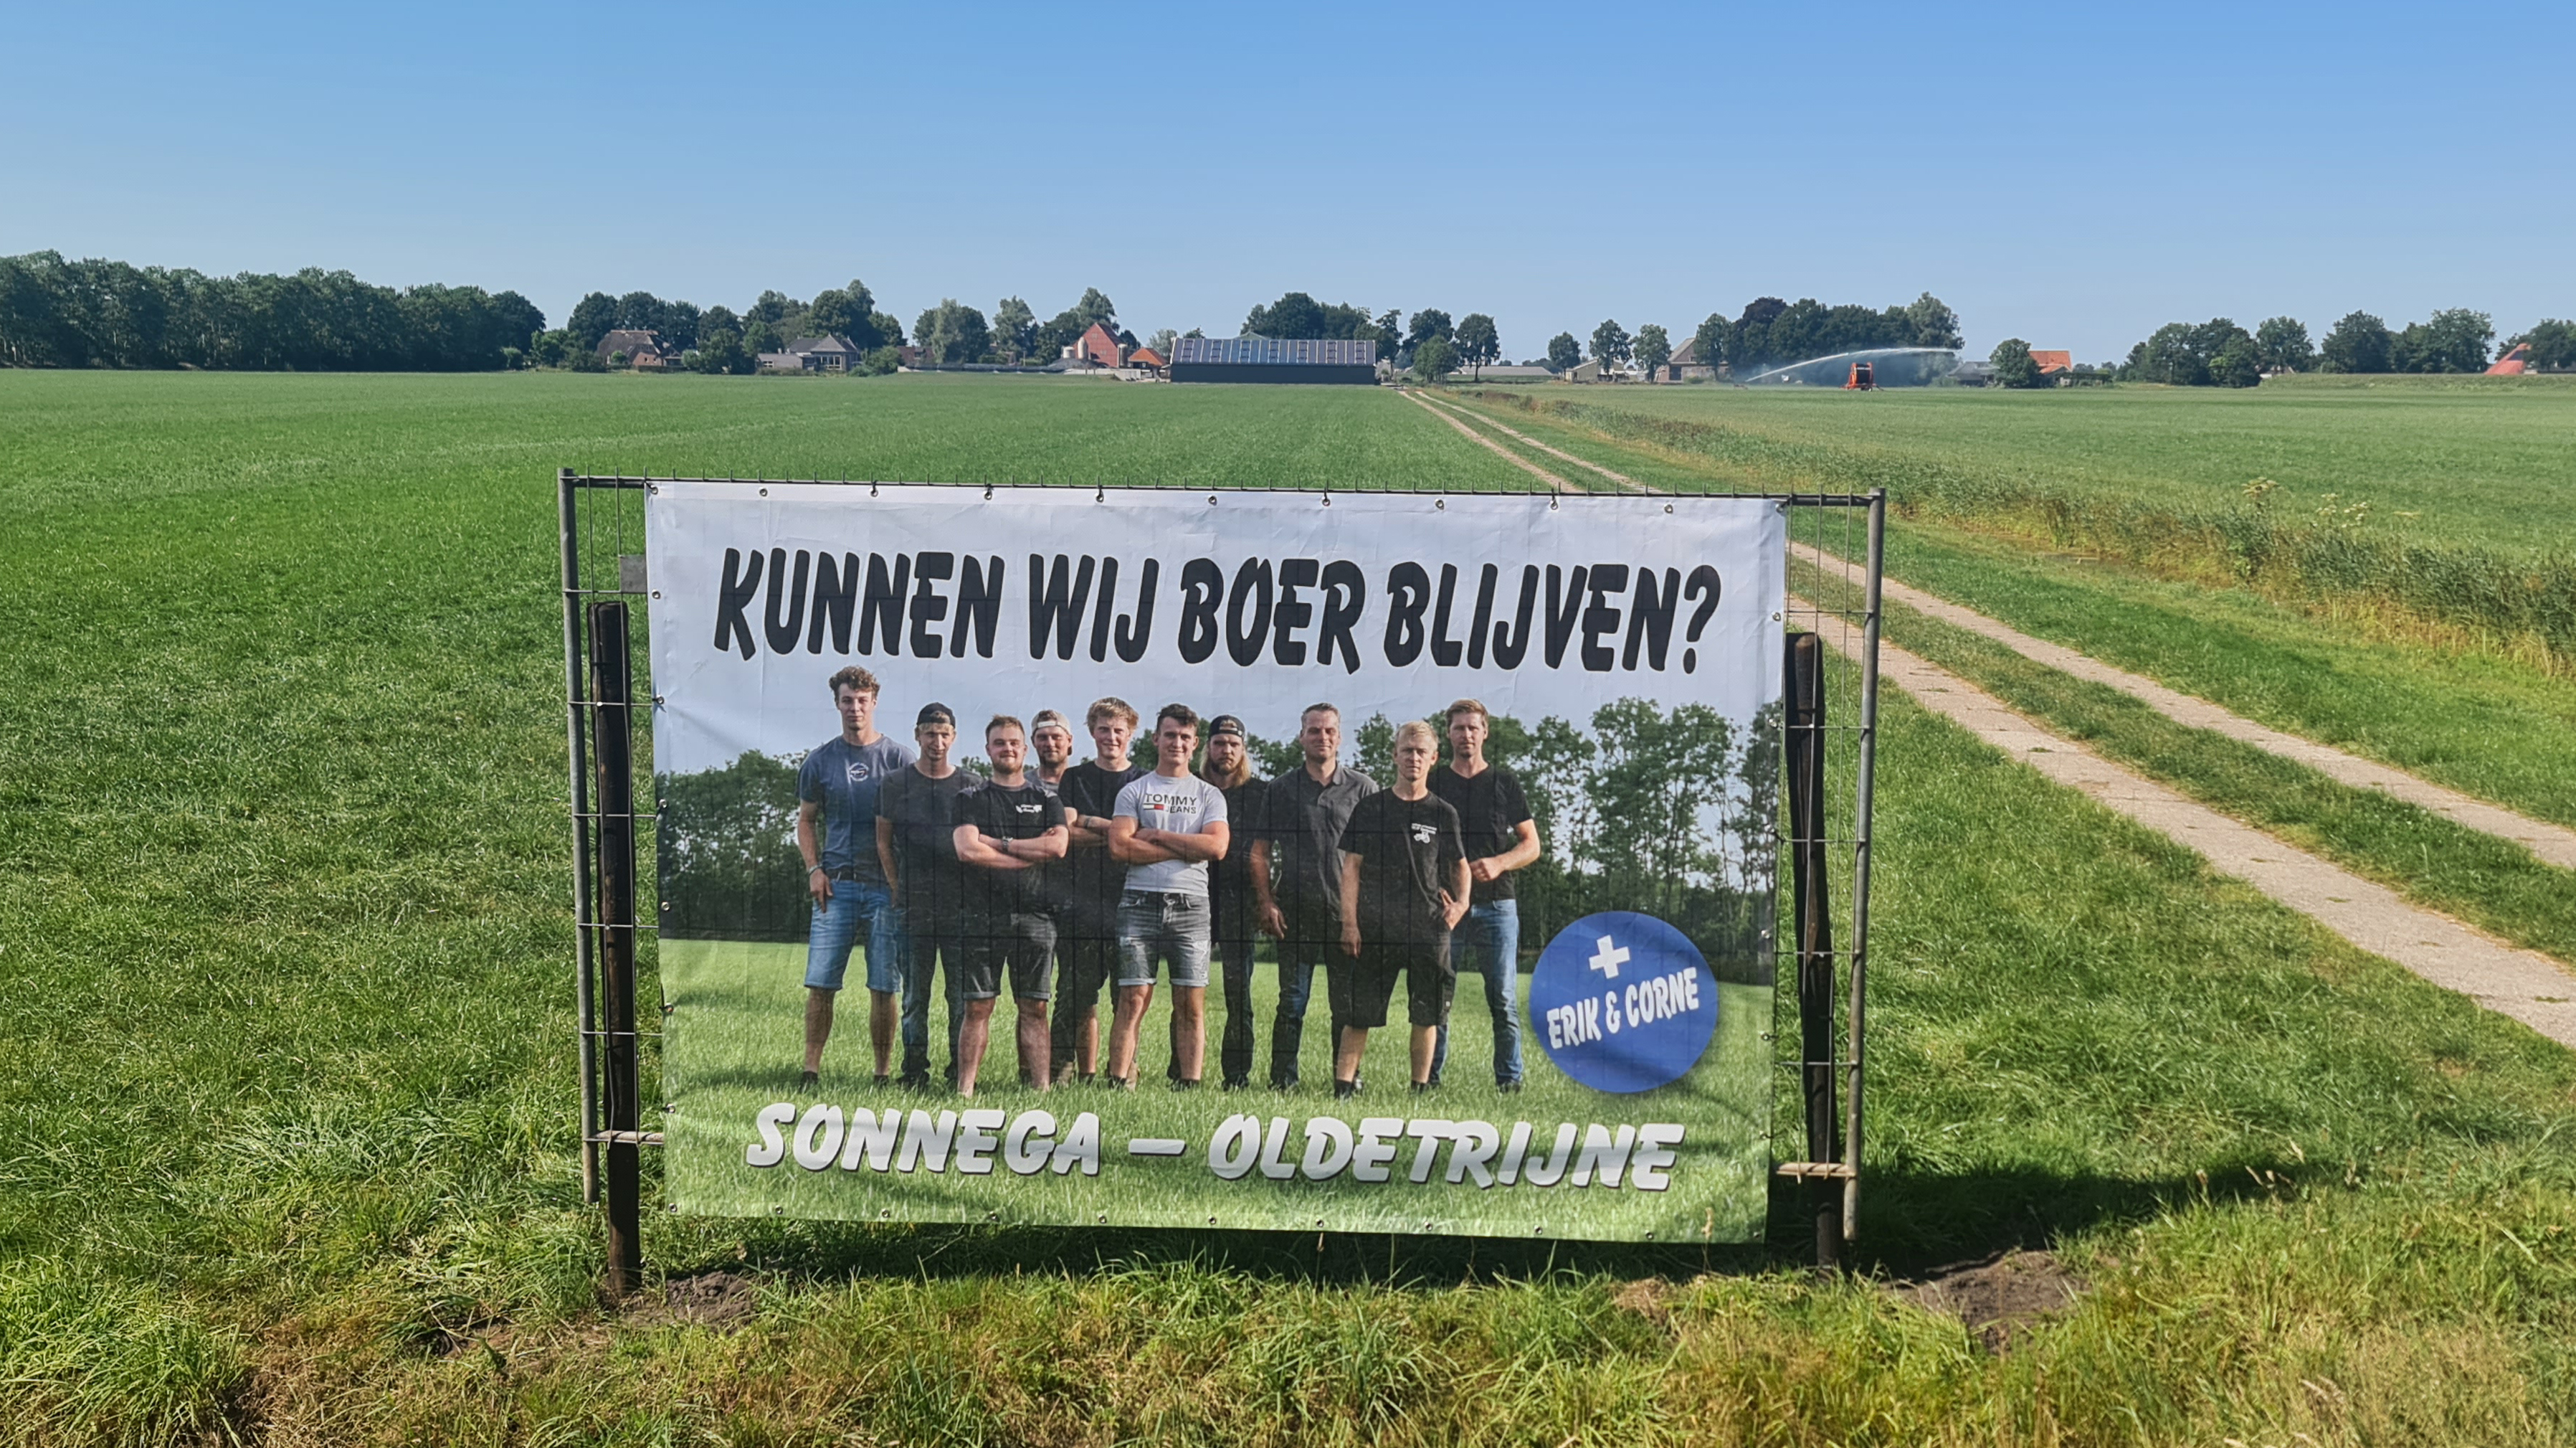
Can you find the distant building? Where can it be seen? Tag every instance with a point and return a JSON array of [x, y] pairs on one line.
[[1685, 365], [644, 349], [1596, 371], [833, 353], [1149, 359], [1508, 371], [1272, 359], [1098, 346], [2512, 364], [2052, 364]]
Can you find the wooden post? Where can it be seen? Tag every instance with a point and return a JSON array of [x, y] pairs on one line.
[[612, 747], [1805, 690]]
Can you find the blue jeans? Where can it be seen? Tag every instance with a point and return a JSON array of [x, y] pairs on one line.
[[1488, 941], [1154, 927], [855, 906], [1314, 938]]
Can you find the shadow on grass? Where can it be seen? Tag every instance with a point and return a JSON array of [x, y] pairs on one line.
[[1913, 1221]]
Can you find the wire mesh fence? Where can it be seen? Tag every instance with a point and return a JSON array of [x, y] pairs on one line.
[[1818, 1037]]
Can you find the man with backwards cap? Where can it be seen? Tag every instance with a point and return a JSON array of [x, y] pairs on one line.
[[1235, 905], [916, 841]]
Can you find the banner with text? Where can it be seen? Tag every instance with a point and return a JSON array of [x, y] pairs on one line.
[[1594, 1021]]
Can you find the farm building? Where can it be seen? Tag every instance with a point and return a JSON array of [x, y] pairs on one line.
[[642, 349], [1685, 366], [1271, 359], [1149, 359], [812, 354], [1099, 347], [2053, 363]]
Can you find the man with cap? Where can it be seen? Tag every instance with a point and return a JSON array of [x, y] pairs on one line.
[[916, 841], [1236, 905]]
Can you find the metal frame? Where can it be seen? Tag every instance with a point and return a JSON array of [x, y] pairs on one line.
[[606, 842]]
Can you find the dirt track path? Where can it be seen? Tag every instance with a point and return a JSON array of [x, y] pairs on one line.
[[2522, 984]]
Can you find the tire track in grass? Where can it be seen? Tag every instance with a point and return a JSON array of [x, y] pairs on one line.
[[2552, 844], [2522, 985]]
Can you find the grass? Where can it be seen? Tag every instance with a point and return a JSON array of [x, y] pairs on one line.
[[2425, 502], [735, 1037], [285, 993]]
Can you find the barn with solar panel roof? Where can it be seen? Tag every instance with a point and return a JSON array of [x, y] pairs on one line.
[[1274, 359]]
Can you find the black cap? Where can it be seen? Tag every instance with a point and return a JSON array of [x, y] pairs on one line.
[[935, 714], [1225, 724]]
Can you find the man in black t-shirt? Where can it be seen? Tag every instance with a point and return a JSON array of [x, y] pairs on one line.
[[1404, 886], [1005, 828], [1494, 822], [916, 829], [1087, 940], [1297, 877]]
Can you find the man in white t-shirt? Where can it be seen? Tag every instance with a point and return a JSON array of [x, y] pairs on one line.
[[1167, 827]]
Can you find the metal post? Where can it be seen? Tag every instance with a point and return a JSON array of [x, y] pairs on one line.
[[576, 752], [613, 745], [1805, 688], [1860, 864]]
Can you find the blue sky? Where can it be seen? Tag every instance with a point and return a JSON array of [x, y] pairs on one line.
[[2073, 175]]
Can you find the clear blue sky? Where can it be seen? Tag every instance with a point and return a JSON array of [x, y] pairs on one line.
[[2074, 174]]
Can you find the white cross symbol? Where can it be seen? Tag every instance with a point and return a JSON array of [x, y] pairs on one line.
[[1610, 959]]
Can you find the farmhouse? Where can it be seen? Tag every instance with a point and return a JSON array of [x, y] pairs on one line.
[[2053, 364], [1685, 366], [643, 349], [832, 353], [1097, 346], [1273, 359]]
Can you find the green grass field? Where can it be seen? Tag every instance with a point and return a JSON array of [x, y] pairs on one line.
[[736, 1033], [285, 992], [2443, 460]]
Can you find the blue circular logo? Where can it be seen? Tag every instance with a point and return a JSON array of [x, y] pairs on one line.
[[1623, 1002]]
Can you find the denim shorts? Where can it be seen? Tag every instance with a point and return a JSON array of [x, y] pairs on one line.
[[1157, 926], [857, 910]]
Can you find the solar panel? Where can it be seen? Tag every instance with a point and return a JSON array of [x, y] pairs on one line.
[[1275, 351]]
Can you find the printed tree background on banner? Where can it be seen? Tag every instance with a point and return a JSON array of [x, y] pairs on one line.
[[729, 866], [1669, 812]]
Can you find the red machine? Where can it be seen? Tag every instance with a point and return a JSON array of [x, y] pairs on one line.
[[1863, 378]]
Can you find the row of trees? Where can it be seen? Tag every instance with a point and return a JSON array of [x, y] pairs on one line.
[[1430, 341], [58, 313], [2219, 353], [1768, 333]]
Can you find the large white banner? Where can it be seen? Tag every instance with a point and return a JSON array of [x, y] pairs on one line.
[[1629, 652]]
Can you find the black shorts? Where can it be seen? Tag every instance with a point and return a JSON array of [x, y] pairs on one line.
[[1362, 988], [1023, 945]]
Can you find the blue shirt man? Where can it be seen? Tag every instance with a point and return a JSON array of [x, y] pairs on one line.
[[836, 807]]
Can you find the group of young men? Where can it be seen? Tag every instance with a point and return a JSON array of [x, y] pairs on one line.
[[1063, 878]]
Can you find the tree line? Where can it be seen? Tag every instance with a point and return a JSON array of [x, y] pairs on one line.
[[2219, 353], [90, 313], [1768, 333]]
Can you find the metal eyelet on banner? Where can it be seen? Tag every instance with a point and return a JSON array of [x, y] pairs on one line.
[[1102, 495], [1211, 500], [988, 495], [872, 490], [1440, 505], [764, 492], [1668, 507]]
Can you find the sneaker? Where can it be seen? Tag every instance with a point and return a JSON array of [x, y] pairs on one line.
[[1425, 1088], [881, 1080], [1508, 1088], [1343, 1090], [1237, 1083], [1184, 1083], [808, 1081], [914, 1081]]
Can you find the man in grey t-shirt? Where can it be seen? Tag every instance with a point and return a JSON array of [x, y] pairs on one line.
[[836, 807], [1168, 825]]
